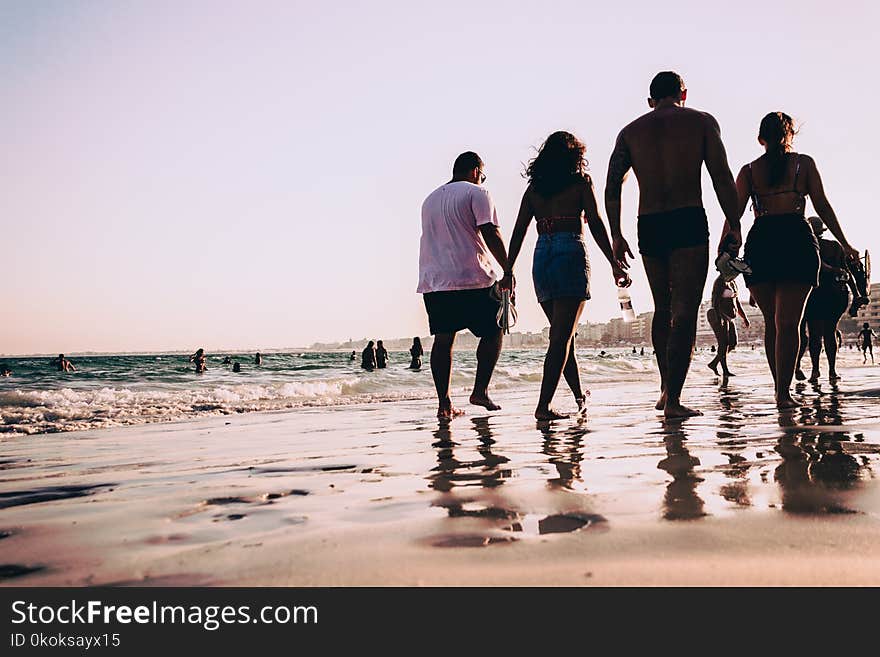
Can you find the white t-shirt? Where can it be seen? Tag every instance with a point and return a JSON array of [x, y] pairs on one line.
[[452, 253]]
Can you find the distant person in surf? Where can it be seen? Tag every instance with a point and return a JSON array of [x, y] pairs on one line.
[[459, 287], [236, 367], [63, 365], [368, 357], [381, 356], [722, 318], [353, 356], [200, 360], [258, 359], [866, 336], [416, 352], [227, 361], [5, 371]]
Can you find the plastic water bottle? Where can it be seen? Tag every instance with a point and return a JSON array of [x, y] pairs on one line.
[[626, 306]]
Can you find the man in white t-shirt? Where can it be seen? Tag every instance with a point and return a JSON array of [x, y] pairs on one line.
[[459, 231]]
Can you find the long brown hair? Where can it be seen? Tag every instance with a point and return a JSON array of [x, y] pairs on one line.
[[559, 162], [777, 130]]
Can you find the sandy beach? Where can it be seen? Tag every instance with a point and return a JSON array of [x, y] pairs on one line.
[[385, 494]]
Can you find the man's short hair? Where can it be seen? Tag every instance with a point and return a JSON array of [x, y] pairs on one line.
[[465, 162], [666, 84]]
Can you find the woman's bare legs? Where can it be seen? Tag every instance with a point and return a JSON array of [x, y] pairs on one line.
[[563, 320], [765, 297], [570, 372], [782, 305]]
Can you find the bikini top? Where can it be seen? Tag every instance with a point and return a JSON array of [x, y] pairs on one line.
[[558, 224], [759, 209]]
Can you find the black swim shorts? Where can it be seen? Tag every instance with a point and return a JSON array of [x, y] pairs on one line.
[[663, 232], [456, 310]]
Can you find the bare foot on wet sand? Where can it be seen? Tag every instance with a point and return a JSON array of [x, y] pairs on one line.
[[786, 404], [447, 413], [549, 414], [661, 403], [672, 411], [711, 366], [483, 400], [581, 404]]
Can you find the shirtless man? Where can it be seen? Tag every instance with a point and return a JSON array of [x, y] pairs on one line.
[[666, 148], [63, 365]]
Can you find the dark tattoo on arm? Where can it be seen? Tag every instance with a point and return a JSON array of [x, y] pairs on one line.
[[618, 167]]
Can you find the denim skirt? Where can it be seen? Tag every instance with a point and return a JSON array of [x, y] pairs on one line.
[[561, 268]]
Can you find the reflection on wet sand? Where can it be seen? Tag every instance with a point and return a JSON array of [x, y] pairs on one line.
[[471, 488], [681, 501], [815, 472], [564, 449]]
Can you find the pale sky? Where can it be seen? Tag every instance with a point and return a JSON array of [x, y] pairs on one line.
[[232, 174]]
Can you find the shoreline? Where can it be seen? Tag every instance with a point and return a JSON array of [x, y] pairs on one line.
[[385, 494]]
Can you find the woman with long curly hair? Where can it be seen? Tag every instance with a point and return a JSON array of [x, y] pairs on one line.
[[560, 195], [781, 248]]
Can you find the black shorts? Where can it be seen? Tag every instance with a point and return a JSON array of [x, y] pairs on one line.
[[663, 232], [782, 248], [456, 310]]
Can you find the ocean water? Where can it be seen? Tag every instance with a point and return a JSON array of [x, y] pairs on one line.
[[115, 390]]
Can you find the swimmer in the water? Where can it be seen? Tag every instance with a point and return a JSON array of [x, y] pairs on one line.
[[416, 352], [381, 355], [63, 365], [227, 361], [236, 367], [368, 357], [258, 359], [200, 360]]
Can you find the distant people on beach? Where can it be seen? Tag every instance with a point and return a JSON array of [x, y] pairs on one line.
[[866, 342], [200, 360], [722, 318], [236, 367], [459, 232], [227, 361], [258, 359], [381, 356], [642, 351], [667, 148], [560, 197], [781, 248], [368, 357], [416, 352], [825, 306], [353, 356], [63, 365]]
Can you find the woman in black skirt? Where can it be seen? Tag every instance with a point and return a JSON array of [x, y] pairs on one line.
[[781, 248]]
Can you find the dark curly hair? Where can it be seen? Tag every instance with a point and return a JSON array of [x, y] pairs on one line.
[[777, 130], [559, 163]]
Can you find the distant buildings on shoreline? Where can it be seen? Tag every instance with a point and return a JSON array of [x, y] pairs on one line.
[[617, 333]]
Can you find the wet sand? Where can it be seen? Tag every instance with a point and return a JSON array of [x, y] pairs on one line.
[[385, 494]]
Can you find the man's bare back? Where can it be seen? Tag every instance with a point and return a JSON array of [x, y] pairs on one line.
[[667, 147]]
